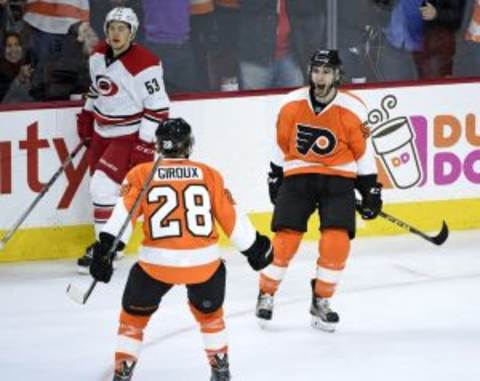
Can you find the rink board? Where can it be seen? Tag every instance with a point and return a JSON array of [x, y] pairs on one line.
[[426, 138], [69, 242]]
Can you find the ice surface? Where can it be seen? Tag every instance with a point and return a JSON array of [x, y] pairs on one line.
[[409, 311]]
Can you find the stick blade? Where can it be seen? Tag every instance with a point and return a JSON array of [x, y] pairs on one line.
[[441, 237], [76, 294]]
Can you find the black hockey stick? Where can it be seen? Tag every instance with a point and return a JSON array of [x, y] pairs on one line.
[[438, 239], [9, 234], [76, 293]]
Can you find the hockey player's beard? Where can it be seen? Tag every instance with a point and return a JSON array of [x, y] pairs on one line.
[[323, 93]]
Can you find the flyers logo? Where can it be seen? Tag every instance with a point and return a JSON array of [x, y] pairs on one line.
[[320, 140], [105, 86]]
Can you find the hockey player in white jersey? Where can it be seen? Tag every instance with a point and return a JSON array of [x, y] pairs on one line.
[[126, 101]]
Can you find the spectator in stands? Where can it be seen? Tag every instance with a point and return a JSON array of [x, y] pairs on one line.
[[373, 43], [226, 63], [167, 34], [442, 19], [11, 62], [400, 33], [50, 22], [19, 90], [275, 36], [468, 52], [69, 75], [11, 17], [203, 34]]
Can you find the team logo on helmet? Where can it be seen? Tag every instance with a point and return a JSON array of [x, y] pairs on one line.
[[320, 140], [105, 86]]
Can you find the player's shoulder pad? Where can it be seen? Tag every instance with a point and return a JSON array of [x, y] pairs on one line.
[[208, 170], [138, 173], [295, 96], [352, 102], [139, 59]]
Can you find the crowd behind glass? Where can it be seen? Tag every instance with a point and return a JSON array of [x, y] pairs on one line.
[[229, 45]]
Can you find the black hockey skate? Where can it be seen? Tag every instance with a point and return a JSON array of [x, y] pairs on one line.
[[322, 315], [220, 369], [84, 262], [125, 372], [264, 309]]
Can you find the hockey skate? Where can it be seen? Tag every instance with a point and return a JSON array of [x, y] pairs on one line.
[[322, 315], [84, 262], [125, 371], [220, 369], [264, 309]]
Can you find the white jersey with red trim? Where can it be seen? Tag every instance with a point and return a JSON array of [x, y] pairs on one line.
[[127, 93]]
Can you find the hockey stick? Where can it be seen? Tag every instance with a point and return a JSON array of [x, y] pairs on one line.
[[438, 239], [73, 291], [45, 189]]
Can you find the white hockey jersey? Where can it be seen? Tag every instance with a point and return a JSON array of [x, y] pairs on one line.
[[127, 93]]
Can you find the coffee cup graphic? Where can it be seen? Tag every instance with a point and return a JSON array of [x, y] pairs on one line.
[[393, 142]]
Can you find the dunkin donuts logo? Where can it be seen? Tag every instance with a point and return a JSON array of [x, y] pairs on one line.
[[413, 151]]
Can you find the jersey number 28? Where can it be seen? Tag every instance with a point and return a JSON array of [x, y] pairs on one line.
[[198, 211]]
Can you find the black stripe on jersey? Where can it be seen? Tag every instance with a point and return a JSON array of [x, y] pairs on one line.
[[163, 109], [97, 205], [152, 119], [138, 114]]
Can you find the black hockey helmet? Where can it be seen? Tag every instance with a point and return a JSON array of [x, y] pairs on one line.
[[174, 138], [328, 57]]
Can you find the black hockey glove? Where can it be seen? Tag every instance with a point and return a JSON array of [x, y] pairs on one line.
[[260, 254], [101, 267], [371, 192], [275, 179]]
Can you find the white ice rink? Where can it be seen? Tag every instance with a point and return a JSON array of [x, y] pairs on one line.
[[409, 311]]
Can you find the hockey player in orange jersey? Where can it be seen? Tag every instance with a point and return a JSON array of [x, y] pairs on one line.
[[321, 156], [180, 247]]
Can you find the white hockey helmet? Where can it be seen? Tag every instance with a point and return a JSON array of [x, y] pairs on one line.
[[123, 14]]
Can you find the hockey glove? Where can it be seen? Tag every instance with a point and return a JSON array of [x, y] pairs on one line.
[[371, 192], [275, 179], [101, 267], [85, 126], [260, 254], [142, 152]]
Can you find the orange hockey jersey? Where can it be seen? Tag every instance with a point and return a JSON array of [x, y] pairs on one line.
[[332, 142], [180, 210]]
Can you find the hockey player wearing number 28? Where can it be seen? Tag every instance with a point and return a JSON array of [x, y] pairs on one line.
[[126, 101], [180, 210], [322, 155]]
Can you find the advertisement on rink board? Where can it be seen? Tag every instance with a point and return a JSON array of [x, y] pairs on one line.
[[426, 138]]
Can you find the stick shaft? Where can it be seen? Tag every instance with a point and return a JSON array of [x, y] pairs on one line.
[[132, 211], [9, 234]]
